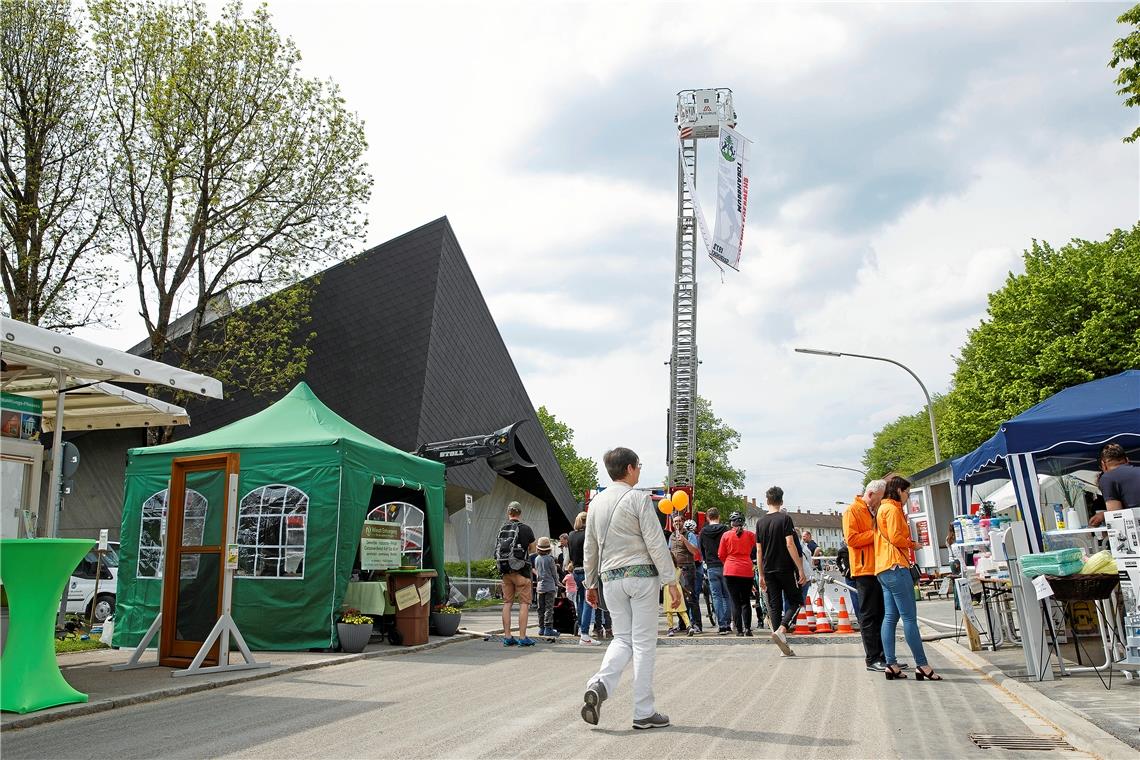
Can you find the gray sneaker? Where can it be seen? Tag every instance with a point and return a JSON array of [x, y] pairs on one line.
[[594, 696], [781, 641], [656, 720]]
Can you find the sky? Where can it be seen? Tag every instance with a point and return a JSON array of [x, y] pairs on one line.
[[903, 158]]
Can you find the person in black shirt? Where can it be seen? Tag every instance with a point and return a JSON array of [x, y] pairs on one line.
[[576, 545], [780, 566], [710, 546], [1119, 483], [518, 583]]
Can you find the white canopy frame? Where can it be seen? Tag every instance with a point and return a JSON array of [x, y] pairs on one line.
[[33, 356]]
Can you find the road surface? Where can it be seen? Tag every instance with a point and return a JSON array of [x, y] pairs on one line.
[[727, 699]]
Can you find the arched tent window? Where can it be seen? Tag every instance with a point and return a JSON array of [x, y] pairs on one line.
[[271, 532], [411, 520], [152, 529]]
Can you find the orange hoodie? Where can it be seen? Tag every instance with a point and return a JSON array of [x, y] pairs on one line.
[[892, 540], [859, 533]]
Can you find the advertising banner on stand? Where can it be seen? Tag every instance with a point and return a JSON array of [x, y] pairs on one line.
[[733, 153]]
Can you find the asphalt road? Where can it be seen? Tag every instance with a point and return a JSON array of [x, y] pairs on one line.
[[477, 699]]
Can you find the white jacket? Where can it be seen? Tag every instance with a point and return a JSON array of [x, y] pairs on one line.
[[634, 537]]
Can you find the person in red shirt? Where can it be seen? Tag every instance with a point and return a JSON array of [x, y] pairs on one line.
[[737, 548]]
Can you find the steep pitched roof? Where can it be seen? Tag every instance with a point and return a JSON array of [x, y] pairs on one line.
[[406, 349]]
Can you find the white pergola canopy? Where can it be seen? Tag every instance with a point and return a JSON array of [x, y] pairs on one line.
[[31, 352], [70, 375]]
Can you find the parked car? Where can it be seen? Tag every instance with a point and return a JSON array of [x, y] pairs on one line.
[[81, 596]]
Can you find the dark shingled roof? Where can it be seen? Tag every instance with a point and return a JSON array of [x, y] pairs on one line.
[[406, 349]]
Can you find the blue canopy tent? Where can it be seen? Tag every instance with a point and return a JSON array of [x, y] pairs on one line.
[[1063, 433]]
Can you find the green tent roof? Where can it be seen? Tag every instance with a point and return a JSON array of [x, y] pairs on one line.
[[298, 419]]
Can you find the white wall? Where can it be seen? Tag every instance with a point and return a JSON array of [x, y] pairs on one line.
[[490, 512]]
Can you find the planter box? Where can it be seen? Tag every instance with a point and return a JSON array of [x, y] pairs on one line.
[[353, 636], [445, 625]]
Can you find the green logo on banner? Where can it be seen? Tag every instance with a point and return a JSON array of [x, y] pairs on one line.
[[728, 148]]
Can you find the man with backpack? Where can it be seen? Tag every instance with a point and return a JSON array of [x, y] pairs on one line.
[[514, 545]]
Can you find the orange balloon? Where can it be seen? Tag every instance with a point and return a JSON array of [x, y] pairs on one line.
[[680, 499], [666, 506]]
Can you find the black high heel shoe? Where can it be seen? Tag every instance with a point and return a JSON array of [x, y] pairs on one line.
[[928, 674], [892, 672]]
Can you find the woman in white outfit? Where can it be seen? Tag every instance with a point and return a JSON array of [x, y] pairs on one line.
[[625, 548]]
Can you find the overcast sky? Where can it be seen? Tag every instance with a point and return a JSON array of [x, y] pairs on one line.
[[903, 157]]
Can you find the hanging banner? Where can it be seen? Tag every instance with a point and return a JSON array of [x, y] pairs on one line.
[[733, 153]]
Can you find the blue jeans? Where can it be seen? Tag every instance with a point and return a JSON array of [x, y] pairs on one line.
[[898, 601], [719, 593], [585, 611]]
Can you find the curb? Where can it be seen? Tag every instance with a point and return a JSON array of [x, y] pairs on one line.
[[103, 705], [1077, 729]]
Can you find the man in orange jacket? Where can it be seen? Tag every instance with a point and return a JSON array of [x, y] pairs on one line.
[[859, 533]]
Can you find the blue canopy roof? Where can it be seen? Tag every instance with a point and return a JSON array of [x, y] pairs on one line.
[[1065, 430]]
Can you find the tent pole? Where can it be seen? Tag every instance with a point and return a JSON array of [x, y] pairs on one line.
[[55, 487]]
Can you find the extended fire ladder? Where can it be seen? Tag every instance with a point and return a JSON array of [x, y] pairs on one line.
[[700, 114]]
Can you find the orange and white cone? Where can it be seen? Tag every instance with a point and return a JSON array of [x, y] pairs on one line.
[[802, 624], [843, 624], [811, 621], [824, 623]]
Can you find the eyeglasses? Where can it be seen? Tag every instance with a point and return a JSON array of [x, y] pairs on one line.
[[637, 466]]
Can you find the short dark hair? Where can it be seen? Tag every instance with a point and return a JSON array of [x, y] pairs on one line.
[[712, 513], [1113, 452], [895, 486], [619, 459], [774, 495]]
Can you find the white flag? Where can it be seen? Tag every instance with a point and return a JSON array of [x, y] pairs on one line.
[[691, 186], [733, 151]]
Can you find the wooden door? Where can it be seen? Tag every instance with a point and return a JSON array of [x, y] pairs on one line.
[[195, 556]]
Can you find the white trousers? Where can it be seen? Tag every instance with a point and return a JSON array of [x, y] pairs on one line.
[[633, 605]]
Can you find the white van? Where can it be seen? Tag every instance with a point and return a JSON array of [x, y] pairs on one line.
[[81, 596]]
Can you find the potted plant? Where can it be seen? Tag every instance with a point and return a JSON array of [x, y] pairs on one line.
[[445, 620], [354, 630]]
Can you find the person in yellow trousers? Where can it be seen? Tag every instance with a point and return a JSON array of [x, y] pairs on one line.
[[893, 547]]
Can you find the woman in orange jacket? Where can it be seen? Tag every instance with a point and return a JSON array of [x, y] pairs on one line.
[[893, 547]]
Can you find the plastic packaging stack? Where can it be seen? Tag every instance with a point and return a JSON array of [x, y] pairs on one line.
[[1063, 562]]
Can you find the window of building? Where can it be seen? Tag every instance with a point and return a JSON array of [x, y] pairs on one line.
[[152, 530], [271, 532]]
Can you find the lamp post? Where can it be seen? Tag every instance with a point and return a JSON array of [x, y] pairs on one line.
[[841, 467], [929, 405]]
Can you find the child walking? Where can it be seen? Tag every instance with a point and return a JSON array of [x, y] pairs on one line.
[[547, 587], [676, 604]]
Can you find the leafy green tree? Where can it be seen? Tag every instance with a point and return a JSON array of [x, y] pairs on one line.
[[1074, 316], [904, 445], [234, 178], [54, 251], [1126, 57], [717, 481], [581, 472]]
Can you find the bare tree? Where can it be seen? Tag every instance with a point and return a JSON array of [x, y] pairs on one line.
[[53, 195]]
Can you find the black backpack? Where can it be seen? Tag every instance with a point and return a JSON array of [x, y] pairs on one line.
[[510, 556]]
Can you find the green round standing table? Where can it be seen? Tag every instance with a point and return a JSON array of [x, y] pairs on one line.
[[35, 573]]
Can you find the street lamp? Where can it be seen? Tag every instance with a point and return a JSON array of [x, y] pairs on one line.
[[929, 405]]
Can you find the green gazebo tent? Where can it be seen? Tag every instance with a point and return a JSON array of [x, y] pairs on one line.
[[307, 478]]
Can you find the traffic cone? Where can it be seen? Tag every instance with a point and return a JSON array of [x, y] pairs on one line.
[[811, 621], [843, 624], [824, 624], [802, 624]]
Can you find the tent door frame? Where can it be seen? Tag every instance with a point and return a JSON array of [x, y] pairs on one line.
[[173, 652]]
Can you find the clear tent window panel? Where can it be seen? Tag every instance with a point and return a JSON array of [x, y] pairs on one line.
[[411, 520], [152, 529], [271, 532]]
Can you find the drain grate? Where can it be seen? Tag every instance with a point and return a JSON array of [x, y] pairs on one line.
[[1044, 743]]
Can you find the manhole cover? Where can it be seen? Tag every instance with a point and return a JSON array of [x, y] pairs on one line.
[[1021, 742]]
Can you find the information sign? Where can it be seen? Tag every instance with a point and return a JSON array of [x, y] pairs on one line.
[[380, 545]]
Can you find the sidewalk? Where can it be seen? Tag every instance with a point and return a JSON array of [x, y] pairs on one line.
[[1115, 710], [90, 672]]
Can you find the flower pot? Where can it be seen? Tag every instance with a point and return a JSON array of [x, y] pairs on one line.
[[445, 624], [353, 636]]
